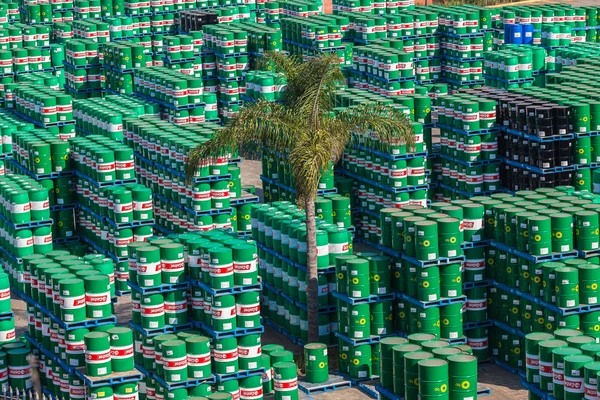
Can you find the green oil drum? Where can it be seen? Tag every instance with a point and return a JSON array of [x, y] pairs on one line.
[[249, 352], [574, 375], [433, 378], [545, 349], [462, 376], [386, 359], [411, 372], [558, 370], [73, 308], [532, 357], [121, 349], [174, 356], [285, 379], [225, 356], [221, 267], [152, 311], [97, 354], [98, 296], [398, 354]]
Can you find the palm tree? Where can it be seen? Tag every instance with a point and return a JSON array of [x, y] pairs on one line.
[[305, 126]]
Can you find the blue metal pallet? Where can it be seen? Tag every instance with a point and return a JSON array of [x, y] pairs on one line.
[[361, 384], [39, 123], [232, 55], [538, 170], [36, 70], [432, 263], [212, 211], [535, 389], [383, 187], [245, 199], [388, 156], [468, 194], [118, 70], [186, 384], [475, 245], [465, 83], [5, 156], [113, 379], [285, 187], [529, 257], [469, 164], [363, 300], [231, 103], [373, 339], [168, 105], [129, 225], [386, 393], [239, 375], [121, 293], [164, 288], [38, 177], [460, 35], [71, 239], [483, 391], [540, 72], [406, 79], [167, 60], [104, 184], [227, 334], [581, 309], [321, 271], [554, 138], [25, 225], [509, 329], [222, 292], [334, 382], [159, 331], [588, 253], [244, 235], [460, 59], [429, 304], [7, 316], [479, 284], [475, 325], [62, 207], [467, 133]]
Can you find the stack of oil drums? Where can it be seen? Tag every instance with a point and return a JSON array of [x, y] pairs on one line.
[[280, 233], [214, 199], [422, 366], [224, 306]]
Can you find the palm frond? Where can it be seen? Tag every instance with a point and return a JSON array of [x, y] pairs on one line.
[[387, 124], [258, 126], [289, 65], [314, 86]]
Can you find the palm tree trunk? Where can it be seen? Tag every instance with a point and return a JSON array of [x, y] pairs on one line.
[[313, 280]]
